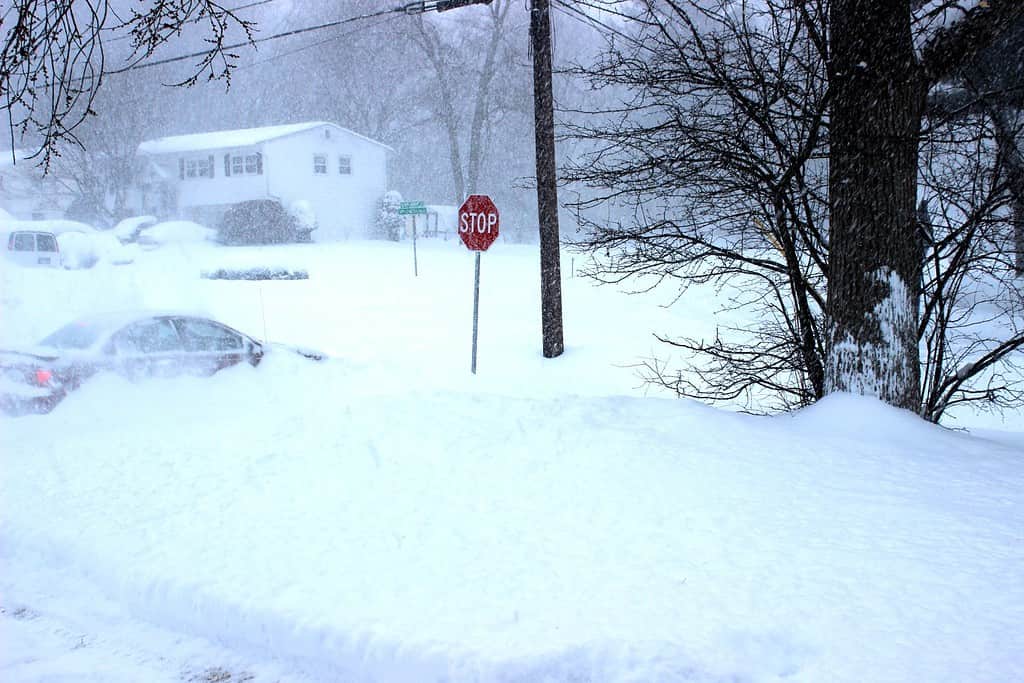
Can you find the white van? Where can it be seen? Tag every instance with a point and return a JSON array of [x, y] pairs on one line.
[[33, 248]]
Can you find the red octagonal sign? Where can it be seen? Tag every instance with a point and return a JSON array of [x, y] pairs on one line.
[[478, 222]]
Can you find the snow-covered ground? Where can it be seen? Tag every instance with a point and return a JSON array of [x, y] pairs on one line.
[[387, 516]]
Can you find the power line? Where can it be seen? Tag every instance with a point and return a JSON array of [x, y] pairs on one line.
[[278, 56], [582, 17], [310, 46], [254, 41]]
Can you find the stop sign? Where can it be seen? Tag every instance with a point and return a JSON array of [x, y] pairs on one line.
[[478, 222]]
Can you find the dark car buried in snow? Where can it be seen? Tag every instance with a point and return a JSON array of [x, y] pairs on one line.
[[133, 345]]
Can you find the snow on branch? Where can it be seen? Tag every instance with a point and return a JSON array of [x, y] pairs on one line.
[[953, 32]]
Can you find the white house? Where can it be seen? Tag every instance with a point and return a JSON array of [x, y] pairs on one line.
[[341, 174]]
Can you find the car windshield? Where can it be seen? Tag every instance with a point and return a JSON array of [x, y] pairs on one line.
[[77, 335]]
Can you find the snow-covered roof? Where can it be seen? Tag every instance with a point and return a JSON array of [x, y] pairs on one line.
[[243, 137]]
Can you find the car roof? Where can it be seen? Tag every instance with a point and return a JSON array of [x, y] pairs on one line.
[[115, 320], [111, 322], [16, 231], [121, 318]]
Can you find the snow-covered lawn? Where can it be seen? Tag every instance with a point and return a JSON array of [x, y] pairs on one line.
[[387, 516]]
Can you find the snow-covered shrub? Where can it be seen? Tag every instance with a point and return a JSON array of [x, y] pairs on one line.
[[389, 224], [255, 273], [258, 221], [305, 217]]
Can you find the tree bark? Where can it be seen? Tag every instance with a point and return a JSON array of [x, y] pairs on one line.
[[1014, 161], [1018, 230], [875, 268], [552, 342]]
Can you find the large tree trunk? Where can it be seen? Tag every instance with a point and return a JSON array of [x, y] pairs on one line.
[[1018, 229], [875, 248], [1014, 160]]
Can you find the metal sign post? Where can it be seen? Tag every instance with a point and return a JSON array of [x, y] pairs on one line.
[[415, 264], [478, 228], [413, 209], [476, 309]]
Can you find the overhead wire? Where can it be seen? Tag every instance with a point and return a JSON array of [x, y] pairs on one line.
[[579, 15], [310, 46], [282, 55], [252, 41]]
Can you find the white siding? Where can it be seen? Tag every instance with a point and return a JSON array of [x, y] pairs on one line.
[[219, 190], [344, 204]]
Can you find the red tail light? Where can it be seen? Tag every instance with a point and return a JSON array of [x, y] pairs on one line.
[[43, 377]]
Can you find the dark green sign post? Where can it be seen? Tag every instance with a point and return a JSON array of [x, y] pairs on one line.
[[413, 209]]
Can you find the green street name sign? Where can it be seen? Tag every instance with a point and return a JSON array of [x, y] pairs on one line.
[[409, 208]]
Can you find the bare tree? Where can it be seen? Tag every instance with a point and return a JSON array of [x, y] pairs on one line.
[[361, 75], [972, 314], [448, 68], [719, 146], [722, 149], [879, 89], [55, 55], [102, 171]]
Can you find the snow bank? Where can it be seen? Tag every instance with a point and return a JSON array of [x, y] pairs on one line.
[[388, 516], [77, 250], [411, 536]]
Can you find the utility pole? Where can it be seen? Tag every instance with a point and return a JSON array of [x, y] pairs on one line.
[[547, 188], [547, 178]]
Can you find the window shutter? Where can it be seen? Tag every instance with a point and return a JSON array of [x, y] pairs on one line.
[[259, 163], [212, 174], [227, 165], [181, 168]]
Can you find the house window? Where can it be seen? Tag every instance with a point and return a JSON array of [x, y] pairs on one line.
[[244, 164], [199, 168], [320, 163], [344, 165]]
